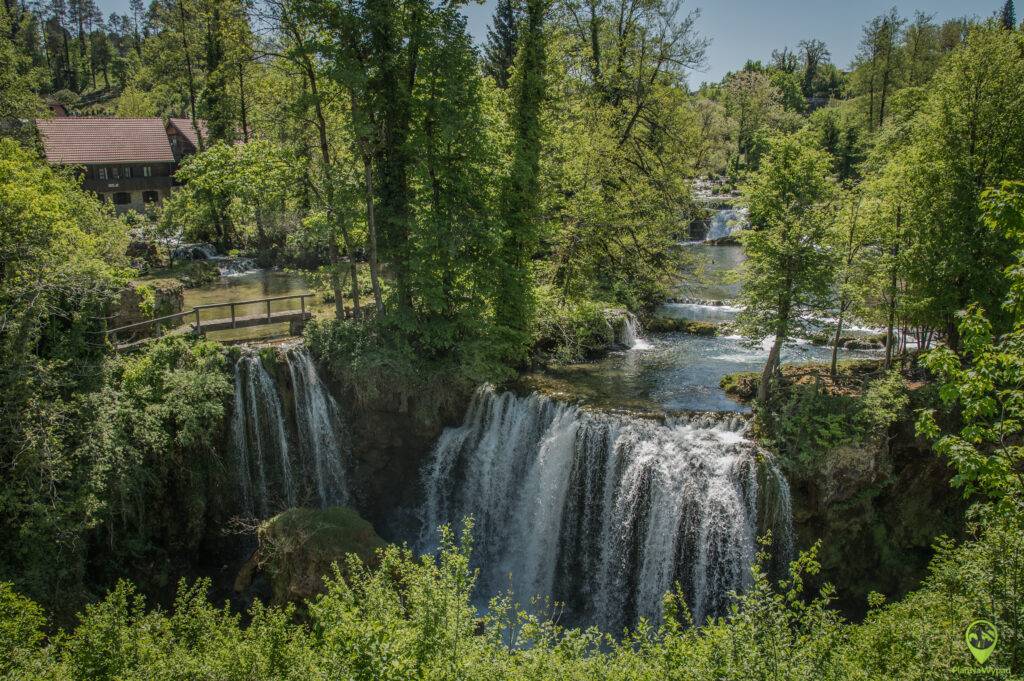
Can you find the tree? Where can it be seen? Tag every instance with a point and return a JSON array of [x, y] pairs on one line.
[[220, 114], [520, 191], [18, 79], [749, 100], [878, 62], [1007, 16], [813, 52], [921, 49], [63, 261], [983, 381], [138, 13], [502, 36], [784, 60], [967, 136], [788, 273], [851, 240]]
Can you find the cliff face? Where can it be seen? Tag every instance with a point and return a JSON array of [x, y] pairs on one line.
[[390, 444], [863, 484], [390, 440], [876, 509]]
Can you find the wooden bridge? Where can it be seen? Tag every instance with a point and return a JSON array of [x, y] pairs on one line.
[[192, 321]]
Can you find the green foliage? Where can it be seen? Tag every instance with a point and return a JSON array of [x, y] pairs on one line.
[[520, 192], [413, 618], [230, 197], [378, 361], [127, 461], [147, 299], [21, 629], [986, 389], [787, 276], [961, 144], [808, 419], [570, 330]]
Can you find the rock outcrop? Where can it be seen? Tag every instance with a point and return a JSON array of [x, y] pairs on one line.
[[299, 547]]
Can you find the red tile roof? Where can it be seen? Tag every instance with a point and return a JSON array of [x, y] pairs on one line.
[[82, 140], [185, 127]]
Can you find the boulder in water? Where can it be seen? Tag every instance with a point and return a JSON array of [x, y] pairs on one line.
[[298, 547]]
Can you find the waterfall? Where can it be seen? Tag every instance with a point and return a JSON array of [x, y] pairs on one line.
[[629, 334], [702, 312], [282, 463], [604, 512], [726, 222], [320, 429], [259, 438]]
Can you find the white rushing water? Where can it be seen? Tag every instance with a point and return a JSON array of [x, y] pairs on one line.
[[320, 428], [602, 512], [726, 222], [630, 334], [279, 464], [259, 440]]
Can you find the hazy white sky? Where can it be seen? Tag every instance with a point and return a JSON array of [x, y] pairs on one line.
[[750, 29]]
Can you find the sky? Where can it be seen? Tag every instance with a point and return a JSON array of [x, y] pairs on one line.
[[751, 29]]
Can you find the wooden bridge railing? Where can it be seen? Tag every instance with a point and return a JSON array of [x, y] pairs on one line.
[[199, 326]]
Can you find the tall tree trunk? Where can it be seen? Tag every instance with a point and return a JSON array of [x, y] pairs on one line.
[[336, 284], [364, 150], [325, 156], [770, 367], [241, 101], [595, 44], [894, 252], [188, 68], [371, 222], [835, 340]]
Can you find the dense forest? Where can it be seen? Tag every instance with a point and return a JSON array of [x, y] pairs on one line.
[[471, 213]]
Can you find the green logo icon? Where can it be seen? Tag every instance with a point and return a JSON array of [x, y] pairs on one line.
[[981, 638]]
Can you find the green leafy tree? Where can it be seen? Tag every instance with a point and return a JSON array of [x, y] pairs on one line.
[[1008, 16], [968, 135], [520, 192], [814, 53], [788, 271], [18, 78], [500, 49], [750, 100], [986, 452]]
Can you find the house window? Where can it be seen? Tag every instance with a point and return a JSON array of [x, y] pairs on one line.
[[127, 172], [122, 198], [150, 197], [147, 171], [115, 173], [102, 173]]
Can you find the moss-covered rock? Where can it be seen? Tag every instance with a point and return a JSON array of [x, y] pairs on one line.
[[660, 324], [298, 547], [199, 273], [146, 300], [741, 386]]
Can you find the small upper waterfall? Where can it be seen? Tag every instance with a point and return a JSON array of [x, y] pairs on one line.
[[602, 512], [284, 462], [629, 334], [725, 222]]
